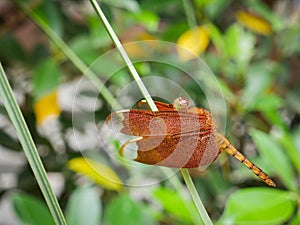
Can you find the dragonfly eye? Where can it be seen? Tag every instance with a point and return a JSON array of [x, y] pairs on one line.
[[181, 103]]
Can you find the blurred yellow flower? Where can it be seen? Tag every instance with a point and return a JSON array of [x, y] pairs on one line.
[[192, 43], [254, 23], [46, 107], [97, 172]]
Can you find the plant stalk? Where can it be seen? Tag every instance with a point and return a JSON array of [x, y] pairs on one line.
[[190, 13], [124, 56], [29, 148], [147, 96], [196, 198]]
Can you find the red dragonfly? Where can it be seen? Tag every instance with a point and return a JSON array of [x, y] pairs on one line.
[[177, 136]]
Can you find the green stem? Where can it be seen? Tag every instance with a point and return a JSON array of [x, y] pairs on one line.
[[193, 210], [147, 96], [124, 55], [196, 198], [189, 12], [30, 150]]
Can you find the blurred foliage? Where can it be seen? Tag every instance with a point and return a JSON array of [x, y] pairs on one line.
[[31, 210], [84, 206], [251, 46]]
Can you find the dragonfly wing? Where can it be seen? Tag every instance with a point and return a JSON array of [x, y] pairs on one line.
[[139, 122], [188, 150]]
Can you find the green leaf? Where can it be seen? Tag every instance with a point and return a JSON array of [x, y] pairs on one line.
[[289, 40], [11, 50], [239, 44], [227, 92], [293, 97], [274, 118], [296, 137], [82, 46], [257, 81], [46, 78], [130, 5], [120, 78], [283, 136], [266, 102], [214, 8], [160, 7], [296, 219], [31, 211], [98, 36], [173, 203], [259, 206], [271, 152], [123, 211], [84, 207], [147, 19], [173, 31]]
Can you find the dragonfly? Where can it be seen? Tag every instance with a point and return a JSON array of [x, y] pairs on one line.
[[177, 136]]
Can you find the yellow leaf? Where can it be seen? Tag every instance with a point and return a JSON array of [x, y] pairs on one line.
[[254, 23], [141, 46], [97, 172], [194, 42], [46, 107]]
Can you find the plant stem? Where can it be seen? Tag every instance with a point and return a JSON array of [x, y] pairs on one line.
[[193, 210], [147, 96], [30, 150], [190, 15], [196, 198], [124, 55]]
